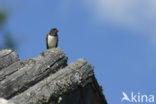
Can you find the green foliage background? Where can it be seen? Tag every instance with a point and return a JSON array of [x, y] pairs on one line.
[[7, 40]]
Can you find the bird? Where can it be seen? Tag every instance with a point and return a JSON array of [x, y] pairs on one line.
[[52, 38], [125, 97]]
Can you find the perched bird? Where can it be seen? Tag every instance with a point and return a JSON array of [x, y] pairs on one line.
[[52, 38]]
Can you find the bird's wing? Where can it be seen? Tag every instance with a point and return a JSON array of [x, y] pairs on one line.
[[57, 41], [47, 41]]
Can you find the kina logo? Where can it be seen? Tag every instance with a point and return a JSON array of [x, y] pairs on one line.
[[137, 98]]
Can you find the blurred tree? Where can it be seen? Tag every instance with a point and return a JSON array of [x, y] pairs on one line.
[[3, 18], [8, 40]]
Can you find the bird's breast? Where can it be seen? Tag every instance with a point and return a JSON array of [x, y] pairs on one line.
[[52, 41]]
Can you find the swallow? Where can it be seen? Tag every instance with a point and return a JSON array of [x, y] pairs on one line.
[[52, 38]]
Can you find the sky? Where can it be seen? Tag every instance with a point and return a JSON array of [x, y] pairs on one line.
[[117, 37]]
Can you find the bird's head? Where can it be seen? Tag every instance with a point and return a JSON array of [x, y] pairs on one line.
[[53, 31]]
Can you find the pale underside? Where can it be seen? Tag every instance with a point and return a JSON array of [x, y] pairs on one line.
[[52, 41]]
